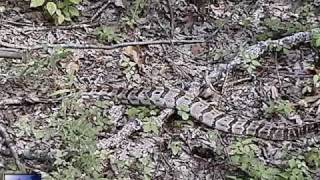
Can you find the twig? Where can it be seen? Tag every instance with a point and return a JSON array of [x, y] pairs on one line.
[[76, 26], [5, 53], [13, 46], [90, 46], [232, 83], [171, 18], [17, 23], [9, 143], [99, 11]]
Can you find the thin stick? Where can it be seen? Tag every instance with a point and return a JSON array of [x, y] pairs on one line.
[[171, 18], [46, 28], [90, 46], [10, 54]]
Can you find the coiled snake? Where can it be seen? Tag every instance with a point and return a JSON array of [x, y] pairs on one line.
[[204, 112]]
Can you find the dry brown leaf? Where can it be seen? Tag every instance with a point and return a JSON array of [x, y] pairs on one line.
[[134, 53], [72, 67]]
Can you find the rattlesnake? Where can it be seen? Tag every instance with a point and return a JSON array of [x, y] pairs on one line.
[[203, 112]]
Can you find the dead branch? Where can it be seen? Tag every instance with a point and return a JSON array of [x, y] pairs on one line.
[[90, 46]]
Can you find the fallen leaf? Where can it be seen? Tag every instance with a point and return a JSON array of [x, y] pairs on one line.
[[134, 54], [72, 67]]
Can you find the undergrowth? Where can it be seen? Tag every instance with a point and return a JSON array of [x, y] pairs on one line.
[[77, 127], [244, 155]]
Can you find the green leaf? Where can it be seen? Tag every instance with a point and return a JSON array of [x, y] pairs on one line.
[[153, 112], [73, 11], [61, 5], [183, 108], [133, 112], [175, 147], [75, 1], [51, 7], [184, 116], [36, 3], [58, 12], [60, 19], [39, 134], [66, 12], [255, 63], [147, 127], [67, 18], [150, 127], [291, 163], [318, 42]]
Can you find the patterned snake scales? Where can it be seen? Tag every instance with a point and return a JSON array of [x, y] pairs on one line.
[[203, 112]]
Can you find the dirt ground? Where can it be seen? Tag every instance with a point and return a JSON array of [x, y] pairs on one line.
[[48, 128]]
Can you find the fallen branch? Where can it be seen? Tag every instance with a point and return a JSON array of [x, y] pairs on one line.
[[90, 46], [171, 18], [75, 26]]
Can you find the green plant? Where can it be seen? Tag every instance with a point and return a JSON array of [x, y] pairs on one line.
[[274, 23], [135, 163], [143, 113], [282, 107], [34, 67], [250, 61], [183, 111], [77, 127], [175, 147], [60, 11], [243, 155], [315, 39], [296, 170], [129, 67], [39, 66], [279, 48], [307, 10], [107, 34], [217, 54], [147, 166], [150, 125], [312, 158], [275, 27], [134, 12]]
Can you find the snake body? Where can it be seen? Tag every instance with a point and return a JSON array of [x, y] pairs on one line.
[[204, 112]]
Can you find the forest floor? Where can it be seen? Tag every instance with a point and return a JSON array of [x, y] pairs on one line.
[[48, 128]]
